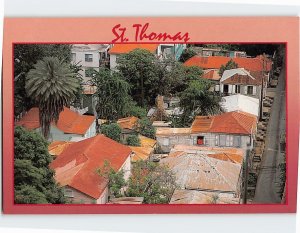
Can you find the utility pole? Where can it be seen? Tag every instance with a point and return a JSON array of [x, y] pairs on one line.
[[262, 88], [246, 173]]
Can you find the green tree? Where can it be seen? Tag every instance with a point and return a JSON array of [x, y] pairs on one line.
[[33, 179], [146, 128], [139, 68], [187, 54], [154, 182], [196, 99], [116, 181], [228, 66], [133, 140], [52, 86], [132, 109], [112, 131], [25, 56], [112, 94]]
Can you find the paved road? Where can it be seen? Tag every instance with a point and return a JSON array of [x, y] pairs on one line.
[[267, 184]]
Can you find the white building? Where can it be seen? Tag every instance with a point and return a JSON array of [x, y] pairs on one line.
[[240, 102], [90, 56]]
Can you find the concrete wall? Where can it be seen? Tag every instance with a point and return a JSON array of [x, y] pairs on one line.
[[113, 61], [126, 167]]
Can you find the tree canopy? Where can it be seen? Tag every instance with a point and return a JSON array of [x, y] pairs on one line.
[[112, 131], [25, 56], [196, 99], [51, 85], [33, 179], [228, 66], [112, 94], [133, 140], [187, 54], [154, 182]]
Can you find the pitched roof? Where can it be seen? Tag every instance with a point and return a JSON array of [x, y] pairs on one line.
[[126, 48], [128, 122], [234, 155], [141, 152], [68, 122], [57, 147], [215, 62], [236, 122], [172, 131], [212, 74], [198, 171], [77, 165], [147, 142], [242, 76]]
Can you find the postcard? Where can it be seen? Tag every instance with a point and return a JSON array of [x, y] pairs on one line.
[[150, 115]]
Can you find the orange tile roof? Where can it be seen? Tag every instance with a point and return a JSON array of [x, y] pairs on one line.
[[128, 122], [172, 131], [147, 142], [126, 48], [141, 152], [57, 147], [68, 122], [215, 62], [246, 79], [78, 163], [212, 75], [230, 123]]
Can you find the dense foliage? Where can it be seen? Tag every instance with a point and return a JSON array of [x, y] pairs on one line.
[[112, 131], [187, 54], [112, 94], [154, 182], [25, 56], [116, 181], [145, 128], [51, 85], [228, 66], [33, 179], [196, 99], [133, 140]]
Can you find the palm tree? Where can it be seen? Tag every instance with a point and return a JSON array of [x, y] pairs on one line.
[[51, 85]]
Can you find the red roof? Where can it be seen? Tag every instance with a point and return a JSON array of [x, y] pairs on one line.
[[68, 122], [77, 165], [229, 123], [126, 48], [215, 62]]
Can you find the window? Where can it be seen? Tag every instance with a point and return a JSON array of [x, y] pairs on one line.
[[228, 140], [250, 90], [88, 57], [225, 88], [237, 89], [73, 57], [200, 140], [68, 192]]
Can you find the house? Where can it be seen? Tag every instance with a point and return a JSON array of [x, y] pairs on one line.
[[128, 126], [214, 77], [169, 137], [91, 57], [207, 52], [258, 63], [76, 168], [145, 150], [241, 81], [240, 102], [70, 125], [201, 173], [160, 50], [231, 129]]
